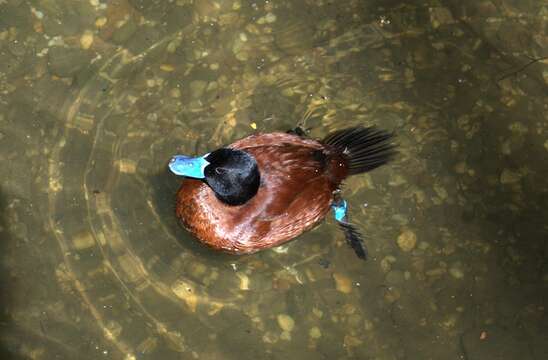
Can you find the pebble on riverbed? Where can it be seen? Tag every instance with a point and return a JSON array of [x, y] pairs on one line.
[[286, 322], [86, 40], [342, 283], [185, 292], [509, 177], [407, 240], [456, 270], [315, 333], [65, 62]]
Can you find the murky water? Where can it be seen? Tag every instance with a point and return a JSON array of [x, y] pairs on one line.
[[97, 95]]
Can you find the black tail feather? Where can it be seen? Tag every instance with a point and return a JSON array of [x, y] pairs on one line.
[[354, 239], [365, 148]]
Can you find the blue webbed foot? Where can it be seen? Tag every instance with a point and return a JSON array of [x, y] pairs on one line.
[[340, 207], [353, 237]]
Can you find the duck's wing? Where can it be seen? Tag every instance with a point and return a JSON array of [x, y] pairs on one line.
[[275, 139], [295, 192]]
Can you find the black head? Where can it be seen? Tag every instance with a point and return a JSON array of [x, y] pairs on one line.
[[233, 175]]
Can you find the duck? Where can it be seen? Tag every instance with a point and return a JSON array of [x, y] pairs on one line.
[[268, 188]]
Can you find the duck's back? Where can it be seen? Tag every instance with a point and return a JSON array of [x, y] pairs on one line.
[[298, 177]]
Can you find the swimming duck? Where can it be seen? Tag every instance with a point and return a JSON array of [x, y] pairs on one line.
[[268, 188]]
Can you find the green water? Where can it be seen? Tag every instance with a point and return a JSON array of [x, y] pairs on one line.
[[95, 96]]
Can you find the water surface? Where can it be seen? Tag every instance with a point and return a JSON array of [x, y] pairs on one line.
[[97, 95]]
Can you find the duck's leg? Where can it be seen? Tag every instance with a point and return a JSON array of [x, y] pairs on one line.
[[353, 237]]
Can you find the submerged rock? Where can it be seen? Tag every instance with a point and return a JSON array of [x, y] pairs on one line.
[[65, 62], [509, 177], [285, 322], [407, 240], [343, 283]]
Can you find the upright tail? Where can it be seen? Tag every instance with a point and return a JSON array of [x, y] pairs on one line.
[[365, 148]]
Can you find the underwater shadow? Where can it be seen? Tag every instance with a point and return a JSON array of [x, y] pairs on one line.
[[164, 186]]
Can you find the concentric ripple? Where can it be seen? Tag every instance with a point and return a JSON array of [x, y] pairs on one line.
[[152, 290]]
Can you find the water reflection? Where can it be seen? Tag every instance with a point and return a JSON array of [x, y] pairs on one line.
[[98, 95]]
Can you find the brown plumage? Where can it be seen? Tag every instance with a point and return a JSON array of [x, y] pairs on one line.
[[298, 178]]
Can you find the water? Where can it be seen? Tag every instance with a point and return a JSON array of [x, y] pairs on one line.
[[96, 96]]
